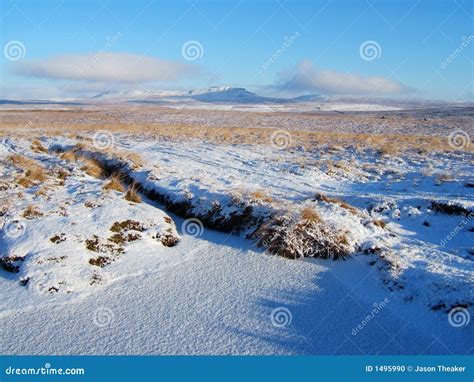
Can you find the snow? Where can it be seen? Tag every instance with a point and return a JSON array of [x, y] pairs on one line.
[[216, 293], [53, 245], [237, 98], [223, 305]]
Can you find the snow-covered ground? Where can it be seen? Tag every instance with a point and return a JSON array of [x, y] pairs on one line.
[[403, 289]]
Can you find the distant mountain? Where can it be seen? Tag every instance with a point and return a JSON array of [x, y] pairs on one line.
[[228, 94], [214, 94]]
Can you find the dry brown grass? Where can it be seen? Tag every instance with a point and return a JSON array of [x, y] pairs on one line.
[[309, 214], [24, 182], [69, 156], [21, 161], [86, 122], [379, 223], [297, 239], [260, 195], [32, 212], [114, 183], [132, 194], [341, 203], [62, 174], [36, 173], [92, 168], [388, 149], [129, 156], [38, 147], [33, 173]]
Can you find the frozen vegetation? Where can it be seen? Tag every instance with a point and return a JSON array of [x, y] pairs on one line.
[[142, 241]]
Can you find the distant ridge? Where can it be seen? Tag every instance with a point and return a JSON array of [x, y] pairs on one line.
[[213, 94]]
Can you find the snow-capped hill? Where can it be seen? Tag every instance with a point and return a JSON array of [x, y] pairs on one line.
[[215, 89], [227, 94], [213, 94]]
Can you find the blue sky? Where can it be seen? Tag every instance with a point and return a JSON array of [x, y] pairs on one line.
[[414, 49]]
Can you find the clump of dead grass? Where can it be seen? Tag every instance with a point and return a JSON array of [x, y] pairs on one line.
[[114, 183], [70, 156], [32, 212], [21, 161], [379, 223], [134, 158], [260, 195], [309, 214], [341, 203], [132, 194], [388, 148], [92, 167], [295, 239], [33, 173], [38, 147]]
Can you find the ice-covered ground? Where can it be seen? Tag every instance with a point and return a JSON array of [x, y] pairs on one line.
[[404, 288]]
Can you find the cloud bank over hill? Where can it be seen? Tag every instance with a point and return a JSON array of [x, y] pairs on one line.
[[106, 67], [306, 77]]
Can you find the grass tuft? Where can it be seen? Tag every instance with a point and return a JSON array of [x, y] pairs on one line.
[[92, 168], [114, 183], [308, 214], [38, 147], [132, 194]]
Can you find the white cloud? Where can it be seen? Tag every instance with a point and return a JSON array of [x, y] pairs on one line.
[[106, 67], [306, 77]]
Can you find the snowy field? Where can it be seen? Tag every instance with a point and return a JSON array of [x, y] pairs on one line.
[[118, 242]]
